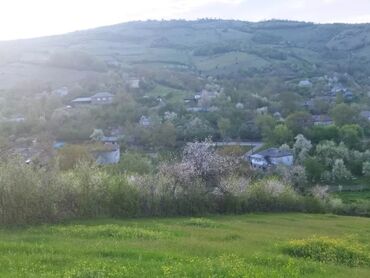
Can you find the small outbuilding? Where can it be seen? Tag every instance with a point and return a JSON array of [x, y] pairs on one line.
[[271, 157]]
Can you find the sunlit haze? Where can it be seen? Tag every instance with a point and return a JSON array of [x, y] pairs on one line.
[[25, 19]]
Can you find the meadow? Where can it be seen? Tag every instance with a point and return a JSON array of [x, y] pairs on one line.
[[251, 245]]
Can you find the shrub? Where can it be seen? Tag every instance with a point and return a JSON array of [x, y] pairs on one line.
[[328, 250], [270, 195]]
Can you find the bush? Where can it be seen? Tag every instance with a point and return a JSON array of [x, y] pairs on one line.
[[33, 195], [328, 250], [270, 195]]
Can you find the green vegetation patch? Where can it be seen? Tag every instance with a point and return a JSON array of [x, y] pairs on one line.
[[354, 197], [228, 265], [201, 223], [110, 231], [329, 250]]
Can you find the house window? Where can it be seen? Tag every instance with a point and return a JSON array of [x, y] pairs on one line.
[[98, 98], [104, 99]]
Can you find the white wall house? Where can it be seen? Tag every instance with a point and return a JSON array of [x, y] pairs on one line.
[[102, 98], [271, 157]]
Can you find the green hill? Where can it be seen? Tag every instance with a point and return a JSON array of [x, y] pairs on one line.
[[221, 48]]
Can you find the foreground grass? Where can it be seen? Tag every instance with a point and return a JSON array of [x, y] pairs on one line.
[[219, 246]]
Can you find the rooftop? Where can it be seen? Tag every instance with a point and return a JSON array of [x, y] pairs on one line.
[[82, 99], [274, 152], [103, 94]]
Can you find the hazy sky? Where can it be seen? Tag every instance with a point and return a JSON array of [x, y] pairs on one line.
[[31, 18]]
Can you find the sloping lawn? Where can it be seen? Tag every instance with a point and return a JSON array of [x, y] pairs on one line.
[[219, 246]]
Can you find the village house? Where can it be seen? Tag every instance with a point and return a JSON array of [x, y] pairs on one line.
[[323, 120], [169, 116], [15, 119], [145, 121], [270, 158], [305, 83], [262, 110], [239, 105], [102, 98], [110, 140], [278, 116]]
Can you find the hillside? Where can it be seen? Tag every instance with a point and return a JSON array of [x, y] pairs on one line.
[[230, 49]]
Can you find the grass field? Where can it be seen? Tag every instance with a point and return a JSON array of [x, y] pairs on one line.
[[217, 246]]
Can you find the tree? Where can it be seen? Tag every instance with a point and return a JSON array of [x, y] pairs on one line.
[[295, 176], [281, 135], [164, 135], [314, 169], [339, 171], [301, 148], [355, 162], [224, 126], [322, 133], [351, 135], [327, 152], [249, 131], [366, 169], [344, 114], [97, 135], [288, 102], [71, 155], [200, 162], [133, 162], [299, 121], [195, 128], [266, 124]]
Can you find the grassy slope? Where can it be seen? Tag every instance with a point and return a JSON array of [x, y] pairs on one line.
[[304, 45], [236, 246]]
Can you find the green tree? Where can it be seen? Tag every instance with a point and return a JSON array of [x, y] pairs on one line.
[[164, 135], [314, 169], [224, 126], [281, 135], [266, 124], [366, 169], [134, 162], [351, 135], [97, 135], [327, 152], [340, 171], [289, 102], [344, 114], [322, 133], [71, 155], [301, 148], [298, 122]]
